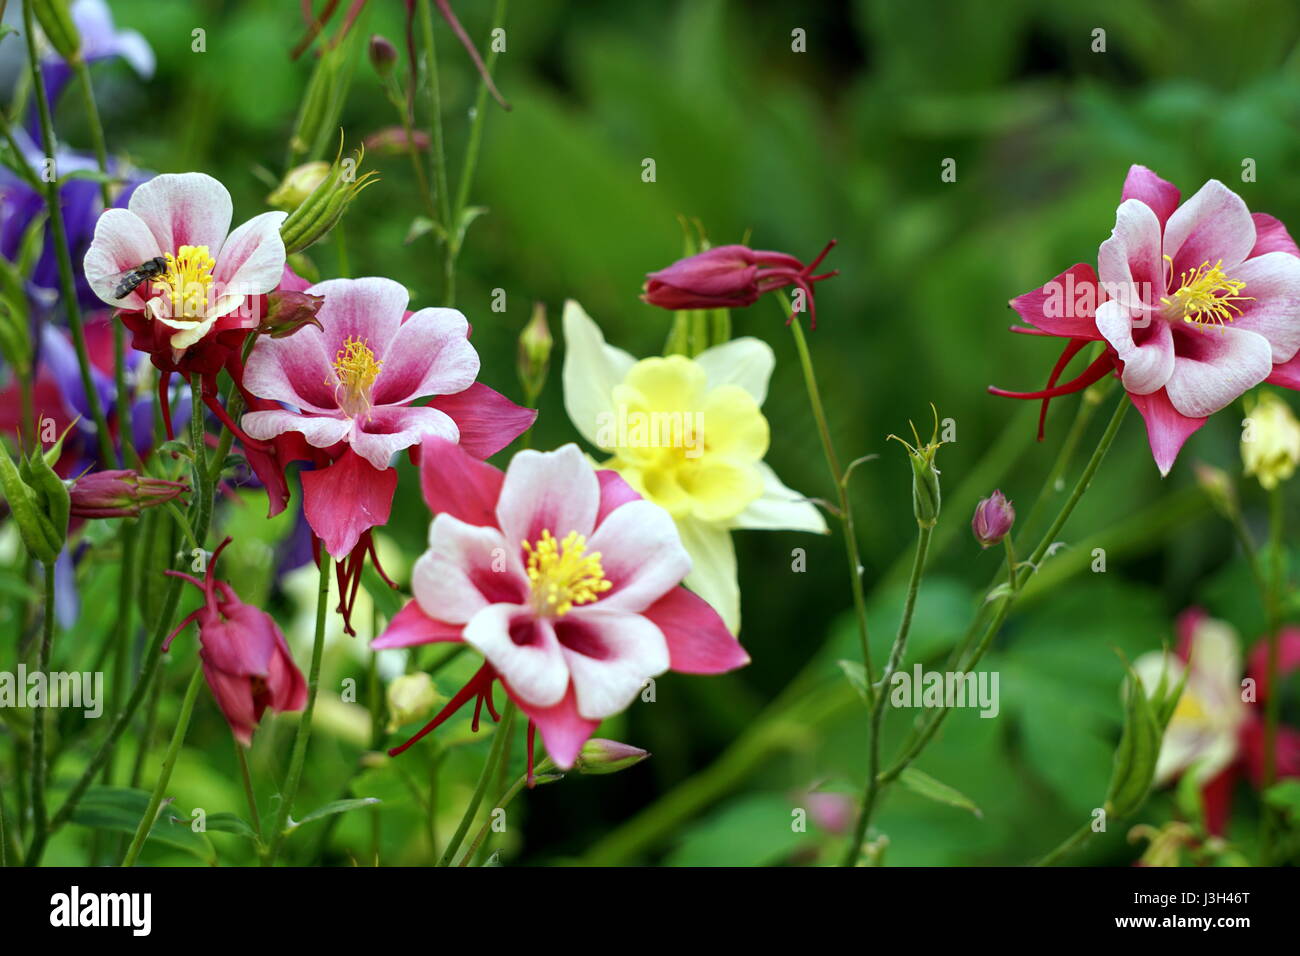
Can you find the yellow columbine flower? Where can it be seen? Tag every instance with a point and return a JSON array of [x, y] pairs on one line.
[[1270, 444], [689, 435]]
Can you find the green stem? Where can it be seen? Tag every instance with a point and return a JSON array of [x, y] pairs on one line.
[[1272, 706], [871, 789], [59, 238], [1068, 845], [476, 126], [39, 764], [841, 489], [303, 735], [241, 754], [169, 764], [501, 804], [485, 778], [439, 152]]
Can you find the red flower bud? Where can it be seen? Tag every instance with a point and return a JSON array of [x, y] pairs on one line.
[[120, 494], [288, 311], [732, 277], [993, 519]]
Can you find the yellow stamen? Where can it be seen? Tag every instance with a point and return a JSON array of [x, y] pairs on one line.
[[562, 574], [186, 281], [356, 369], [1206, 295]]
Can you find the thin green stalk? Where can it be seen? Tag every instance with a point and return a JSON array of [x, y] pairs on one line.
[[871, 788], [39, 765], [303, 736], [122, 630], [169, 764], [241, 755], [1272, 706], [501, 804], [1068, 845], [476, 126], [484, 779], [59, 237], [438, 150], [841, 490]]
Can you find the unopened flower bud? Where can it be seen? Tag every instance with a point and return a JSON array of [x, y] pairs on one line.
[[120, 494], [288, 311], [410, 697], [1218, 487], [383, 56], [608, 756], [298, 184], [1270, 443], [393, 141], [38, 502], [926, 495], [55, 18], [993, 519], [535, 344], [316, 215]]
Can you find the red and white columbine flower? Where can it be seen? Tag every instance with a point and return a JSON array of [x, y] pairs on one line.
[[349, 388], [1196, 304], [565, 580], [184, 218]]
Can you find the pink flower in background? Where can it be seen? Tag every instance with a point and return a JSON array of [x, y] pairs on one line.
[[349, 388], [565, 580], [205, 272], [246, 659], [1196, 303]]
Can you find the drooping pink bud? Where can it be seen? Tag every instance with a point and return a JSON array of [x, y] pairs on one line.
[[993, 519], [120, 494], [246, 660], [732, 277]]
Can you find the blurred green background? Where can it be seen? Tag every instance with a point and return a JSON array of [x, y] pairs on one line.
[[845, 140]]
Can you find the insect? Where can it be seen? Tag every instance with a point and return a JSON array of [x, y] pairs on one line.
[[124, 283]]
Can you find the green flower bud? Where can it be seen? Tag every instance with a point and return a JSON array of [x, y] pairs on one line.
[[297, 185], [926, 496], [55, 19], [600, 756], [324, 206], [410, 697], [535, 344], [39, 508]]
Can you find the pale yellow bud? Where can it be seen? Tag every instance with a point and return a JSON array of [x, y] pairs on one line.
[[410, 698], [1270, 440]]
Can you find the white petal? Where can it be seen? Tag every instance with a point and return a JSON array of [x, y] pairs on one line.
[[780, 508], [713, 568], [747, 362], [591, 370]]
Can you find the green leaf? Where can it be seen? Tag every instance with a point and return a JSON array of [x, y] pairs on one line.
[[422, 226], [230, 823], [121, 808], [387, 601], [857, 675], [337, 806], [925, 785], [1286, 797]]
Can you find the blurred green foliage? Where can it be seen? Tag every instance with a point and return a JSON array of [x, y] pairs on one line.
[[845, 140]]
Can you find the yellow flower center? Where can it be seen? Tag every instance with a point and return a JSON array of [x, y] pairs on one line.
[[562, 574], [356, 369], [186, 281], [1206, 296], [1189, 710]]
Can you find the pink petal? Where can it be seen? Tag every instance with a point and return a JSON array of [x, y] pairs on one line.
[[1144, 185], [563, 729], [251, 261], [1271, 236], [346, 499], [122, 241], [1288, 659], [1129, 262], [385, 430], [641, 554], [429, 355], [610, 656], [456, 483], [523, 650], [1287, 751], [488, 421], [1216, 366], [296, 370], [1147, 352], [1065, 306], [368, 310], [285, 681], [1213, 225], [321, 431], [466, 568], [1286, 375], [614, 491], [411, 626], [554, 491], [1167, 428], [234, 696], [1273, 283], [1216, 796], [184, 209], [698, 640]]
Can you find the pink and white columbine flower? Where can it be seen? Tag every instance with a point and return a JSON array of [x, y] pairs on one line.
[[565, 580], [349, 389], [184, 219], [1196, 303]]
